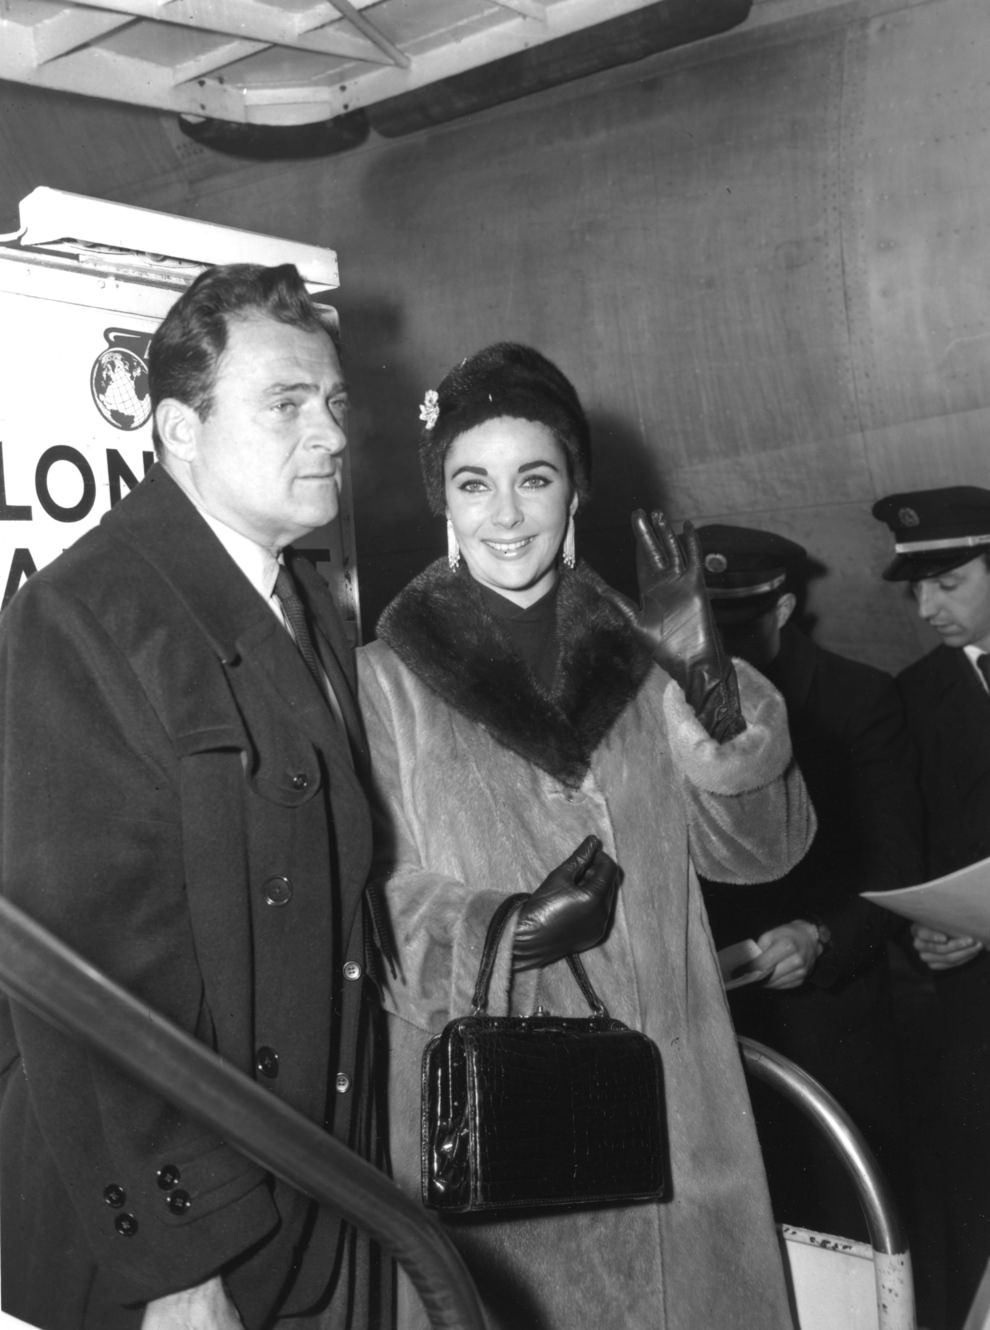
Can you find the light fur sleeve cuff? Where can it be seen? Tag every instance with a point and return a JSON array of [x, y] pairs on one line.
[[753, 759]]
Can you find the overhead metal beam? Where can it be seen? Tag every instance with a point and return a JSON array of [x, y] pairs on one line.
[[67, 29], [365, 26], [306, 31], [467, 46], [276, 92], [96, 72], [207, 62], [530, 8]]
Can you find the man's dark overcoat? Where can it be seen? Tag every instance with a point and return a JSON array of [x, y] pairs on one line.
[[851, 743], [948, 713], [178, 805]]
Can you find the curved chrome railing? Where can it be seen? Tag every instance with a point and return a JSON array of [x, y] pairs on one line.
[[42, 973], [892, 1260]]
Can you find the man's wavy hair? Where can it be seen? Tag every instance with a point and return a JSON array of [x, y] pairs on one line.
[[185, 352]]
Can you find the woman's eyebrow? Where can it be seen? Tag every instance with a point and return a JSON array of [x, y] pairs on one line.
[[483, 471]]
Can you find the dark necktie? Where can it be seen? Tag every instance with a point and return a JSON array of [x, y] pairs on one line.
[[295, 613], [983, 665], [285, 589]]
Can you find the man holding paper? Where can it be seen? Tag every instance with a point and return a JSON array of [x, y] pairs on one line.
[[942, 550]]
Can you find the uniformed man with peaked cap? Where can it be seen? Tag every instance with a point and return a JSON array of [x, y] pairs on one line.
[[935, 530], [824, 995], [942, 548], [746, 573]]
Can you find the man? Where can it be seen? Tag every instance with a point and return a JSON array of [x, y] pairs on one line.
[[822, 995], [941, 550], [180, 804]]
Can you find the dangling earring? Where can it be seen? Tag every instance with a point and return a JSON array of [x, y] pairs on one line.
[[453, 549], [568, 554]]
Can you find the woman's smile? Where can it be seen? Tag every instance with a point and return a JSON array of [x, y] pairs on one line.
[[509, 549]]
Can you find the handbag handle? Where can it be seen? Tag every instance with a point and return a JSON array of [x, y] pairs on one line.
[[479, 1001]]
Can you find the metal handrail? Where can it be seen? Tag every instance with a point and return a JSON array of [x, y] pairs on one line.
[[60, 986], [892, 1260]]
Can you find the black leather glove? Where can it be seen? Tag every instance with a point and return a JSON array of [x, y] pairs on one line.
[[676, 624], [570, 910]]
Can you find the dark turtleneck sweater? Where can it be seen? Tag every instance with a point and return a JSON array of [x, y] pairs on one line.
[[532, 630]]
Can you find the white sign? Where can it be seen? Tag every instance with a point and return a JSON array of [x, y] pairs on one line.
[[75, 432]]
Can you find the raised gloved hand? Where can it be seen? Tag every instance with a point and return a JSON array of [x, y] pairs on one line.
[[675, 622], [570, 910]]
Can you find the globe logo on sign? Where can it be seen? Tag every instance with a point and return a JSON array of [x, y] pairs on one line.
[[119, 379]]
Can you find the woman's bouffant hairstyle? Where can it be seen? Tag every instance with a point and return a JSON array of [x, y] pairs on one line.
[[185, 351], [506, 379]]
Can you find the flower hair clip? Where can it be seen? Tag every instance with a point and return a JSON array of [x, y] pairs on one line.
[[430, 409]]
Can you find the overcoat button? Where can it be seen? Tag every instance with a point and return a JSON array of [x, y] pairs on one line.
[[126, 1225], [352, 970], [178, 1202], [278, 891], [266, 1061], [300, 781], [114, 1195], [168, 1176], [343, 1082]]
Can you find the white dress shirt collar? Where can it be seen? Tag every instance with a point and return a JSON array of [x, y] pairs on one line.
[[258, 564], [973, 654]]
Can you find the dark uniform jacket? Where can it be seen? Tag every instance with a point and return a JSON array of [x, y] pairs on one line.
[[948, 712], [178, 806], [850, 741]]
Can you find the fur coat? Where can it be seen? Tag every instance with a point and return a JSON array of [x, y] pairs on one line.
[[483, 784]]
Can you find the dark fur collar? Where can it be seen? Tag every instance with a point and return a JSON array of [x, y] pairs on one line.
[[439, 628]]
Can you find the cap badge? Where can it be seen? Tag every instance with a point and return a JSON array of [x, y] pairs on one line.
[[716, 563], [908, 517]]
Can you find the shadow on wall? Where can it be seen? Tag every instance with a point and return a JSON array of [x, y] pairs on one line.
[[626, 475], [396, 536]]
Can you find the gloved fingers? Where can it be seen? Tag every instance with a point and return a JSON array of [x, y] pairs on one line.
[[577, 863], [601, 876], [652, 554], [570, 911], [572, 869], [667, 538], [691, 543]]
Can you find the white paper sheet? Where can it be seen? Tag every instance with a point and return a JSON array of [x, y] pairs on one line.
[[958, 903]]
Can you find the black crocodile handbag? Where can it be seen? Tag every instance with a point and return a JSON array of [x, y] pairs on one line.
[[532, 1111]]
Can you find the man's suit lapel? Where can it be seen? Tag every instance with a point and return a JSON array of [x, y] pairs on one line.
[[960, 715], [165, 527], [961, 695]]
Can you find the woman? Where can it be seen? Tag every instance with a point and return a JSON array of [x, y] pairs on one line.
[[514, 706]]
